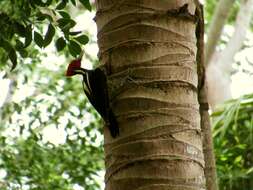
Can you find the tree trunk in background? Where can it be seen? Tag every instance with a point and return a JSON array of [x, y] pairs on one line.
[[149, 51], [220, 63], [216, 26], [210, 167], [217, 91]]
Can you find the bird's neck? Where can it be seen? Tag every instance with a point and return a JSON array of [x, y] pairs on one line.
[[81, 71]]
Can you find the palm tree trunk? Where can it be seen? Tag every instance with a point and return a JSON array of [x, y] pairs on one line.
[[149, 50]]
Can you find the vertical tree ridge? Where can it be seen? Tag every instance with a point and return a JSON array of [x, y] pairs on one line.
[[149, 49], [209, 157]]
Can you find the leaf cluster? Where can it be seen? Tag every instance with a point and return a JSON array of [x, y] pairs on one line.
[[21, 23], [50, 167], [233, 141]]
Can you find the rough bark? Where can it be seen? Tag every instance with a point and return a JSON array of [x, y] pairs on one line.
[[210, 168], [220, 68], [149, 51]]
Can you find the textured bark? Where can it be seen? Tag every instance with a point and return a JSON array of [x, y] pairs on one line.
[[149, 51], [210, 168], [220, 68], [218, 21]]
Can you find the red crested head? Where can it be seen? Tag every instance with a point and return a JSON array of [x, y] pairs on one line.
[[75, 64]]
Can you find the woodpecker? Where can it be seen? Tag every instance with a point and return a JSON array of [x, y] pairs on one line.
[[95, 88]]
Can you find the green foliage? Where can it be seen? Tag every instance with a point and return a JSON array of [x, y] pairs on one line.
[[234, 11], [21, 22], [74, 48], [86, 4], [50, 167], [233, 141], [57, 102], [60, 44], [209, 10]]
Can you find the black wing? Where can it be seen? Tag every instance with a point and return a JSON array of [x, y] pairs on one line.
[[97, 93]]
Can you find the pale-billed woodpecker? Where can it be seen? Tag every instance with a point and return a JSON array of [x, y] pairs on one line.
[[96, 90]]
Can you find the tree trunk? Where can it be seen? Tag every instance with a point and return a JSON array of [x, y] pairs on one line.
[[210, 167], [218, 21], [149, 51]]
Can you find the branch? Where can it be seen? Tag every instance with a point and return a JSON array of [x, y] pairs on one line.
[[216, 26], [235, 43]]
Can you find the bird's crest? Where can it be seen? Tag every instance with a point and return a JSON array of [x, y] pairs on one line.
[[74, 65]]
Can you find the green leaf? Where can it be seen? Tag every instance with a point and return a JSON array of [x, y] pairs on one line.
[[33, 4], [17, 107], [27, 12], [43, 16], [38, 3], [61, 5], [64, 14], [49, 35], [74, 48], [73, 2], [83, 39], [19, 45], [60, 44], [28, 36], [19, 29], [75, 33], [38, 39], [23, 53], [48, 2], [238, 159], [13, 57], [66, 24], [5, 44], [86, 4], [250, 170]]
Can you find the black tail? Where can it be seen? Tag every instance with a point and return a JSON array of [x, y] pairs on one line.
[[113, 124]]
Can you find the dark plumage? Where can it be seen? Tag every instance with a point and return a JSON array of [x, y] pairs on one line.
[[95, 88]]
